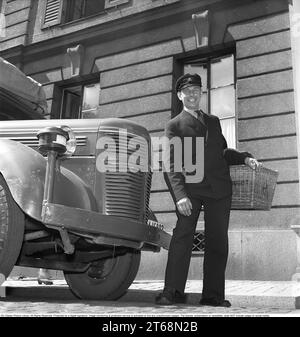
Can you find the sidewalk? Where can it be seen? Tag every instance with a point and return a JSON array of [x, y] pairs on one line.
[[259, 294]]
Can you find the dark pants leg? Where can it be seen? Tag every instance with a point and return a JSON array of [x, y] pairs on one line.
[[216, 218], [180, 249]]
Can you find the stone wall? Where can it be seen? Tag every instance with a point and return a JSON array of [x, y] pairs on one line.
[[17, 17], [267, 128]]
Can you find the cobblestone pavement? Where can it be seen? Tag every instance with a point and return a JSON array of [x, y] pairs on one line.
[[27, 307], [25, 298]]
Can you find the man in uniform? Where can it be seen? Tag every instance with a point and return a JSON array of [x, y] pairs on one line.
[[213, 193]]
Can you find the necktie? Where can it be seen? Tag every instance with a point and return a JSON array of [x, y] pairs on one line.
[[200, 116]]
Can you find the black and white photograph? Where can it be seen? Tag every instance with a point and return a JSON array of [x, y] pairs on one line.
[[149, 161]]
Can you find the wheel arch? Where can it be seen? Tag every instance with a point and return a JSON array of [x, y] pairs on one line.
[[24, 171]]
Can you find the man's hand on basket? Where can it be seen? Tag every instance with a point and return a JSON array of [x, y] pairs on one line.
[[184, 206], [252, 163]]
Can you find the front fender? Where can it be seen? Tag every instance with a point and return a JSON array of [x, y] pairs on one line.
[[24, 170]]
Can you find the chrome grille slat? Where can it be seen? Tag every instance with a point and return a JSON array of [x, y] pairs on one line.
[[34, 142]]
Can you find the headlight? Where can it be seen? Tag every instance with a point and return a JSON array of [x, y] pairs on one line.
[[60, 139]]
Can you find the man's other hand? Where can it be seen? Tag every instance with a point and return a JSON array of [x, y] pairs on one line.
[[252, 163], [184, 206]]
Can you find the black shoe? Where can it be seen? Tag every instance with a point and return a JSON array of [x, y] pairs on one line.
[[215, 303], [169, 296]]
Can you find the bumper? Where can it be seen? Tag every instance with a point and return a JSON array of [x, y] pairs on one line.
[[121, 230]]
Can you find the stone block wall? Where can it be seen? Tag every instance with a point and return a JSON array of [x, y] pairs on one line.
[[17, 18], [266, 127], [266, 114]]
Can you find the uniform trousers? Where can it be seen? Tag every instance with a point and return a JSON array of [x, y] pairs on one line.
[[216, 221]]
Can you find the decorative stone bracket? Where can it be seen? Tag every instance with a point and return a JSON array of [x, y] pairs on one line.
[[201, 28], [75, 57]]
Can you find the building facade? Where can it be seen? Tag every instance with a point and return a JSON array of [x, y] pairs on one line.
[[121, 58]]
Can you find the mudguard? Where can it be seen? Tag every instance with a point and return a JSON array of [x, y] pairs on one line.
[[24, 170]]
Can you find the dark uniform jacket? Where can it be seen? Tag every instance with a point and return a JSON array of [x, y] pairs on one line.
[[217, 158]]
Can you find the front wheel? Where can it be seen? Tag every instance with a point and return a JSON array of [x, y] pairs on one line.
[[106, 279], [12, 224]]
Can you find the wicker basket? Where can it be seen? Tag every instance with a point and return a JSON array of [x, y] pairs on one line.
[[252, 189]]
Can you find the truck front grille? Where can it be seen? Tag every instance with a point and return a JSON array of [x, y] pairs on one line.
[[127, 194]]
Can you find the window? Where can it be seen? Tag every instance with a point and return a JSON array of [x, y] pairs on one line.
[[77, 9], [62, 11], [80, 101], [218, 85]]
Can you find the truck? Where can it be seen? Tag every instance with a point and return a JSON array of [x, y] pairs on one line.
[[66, 201]]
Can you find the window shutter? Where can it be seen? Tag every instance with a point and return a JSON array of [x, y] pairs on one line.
[[114, 3], [53, 11]]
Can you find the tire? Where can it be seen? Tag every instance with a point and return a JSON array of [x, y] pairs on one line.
[[106, 279], [12, 224]]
